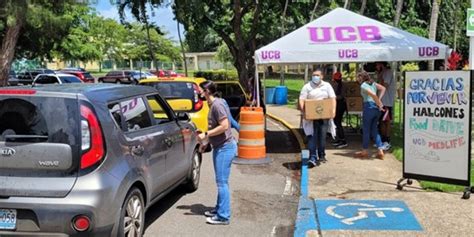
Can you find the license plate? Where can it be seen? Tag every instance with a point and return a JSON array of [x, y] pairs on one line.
[[7, 219]]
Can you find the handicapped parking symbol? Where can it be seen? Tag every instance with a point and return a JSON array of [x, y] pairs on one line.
[[362, 211]]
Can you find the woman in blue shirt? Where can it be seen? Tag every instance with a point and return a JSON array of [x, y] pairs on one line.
[[371, 93]]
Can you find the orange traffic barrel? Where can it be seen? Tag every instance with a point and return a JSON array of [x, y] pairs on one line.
[[252, 148]]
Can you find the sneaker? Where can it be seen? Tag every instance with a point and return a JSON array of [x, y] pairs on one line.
[[210, 213], [386, 146], [311, 164], [335, 143], [342, 145], [375, 145], [323, 160], [216, 220]]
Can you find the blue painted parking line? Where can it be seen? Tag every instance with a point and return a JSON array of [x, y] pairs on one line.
[[365, 215], [306, 217]]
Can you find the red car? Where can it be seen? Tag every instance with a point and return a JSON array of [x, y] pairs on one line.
[[166, 73], [85, 77]]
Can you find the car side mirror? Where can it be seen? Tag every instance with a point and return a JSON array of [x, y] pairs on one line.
[[183, 116]]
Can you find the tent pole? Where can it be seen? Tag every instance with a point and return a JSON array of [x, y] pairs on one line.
[[306, 70], [264, 84], [257, 92]]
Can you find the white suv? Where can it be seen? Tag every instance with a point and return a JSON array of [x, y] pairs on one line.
[[59, 78]]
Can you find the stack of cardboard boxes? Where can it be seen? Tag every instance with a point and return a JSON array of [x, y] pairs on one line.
[[353, 98]]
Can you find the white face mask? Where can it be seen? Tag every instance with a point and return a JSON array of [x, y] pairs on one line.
[[316, 79]]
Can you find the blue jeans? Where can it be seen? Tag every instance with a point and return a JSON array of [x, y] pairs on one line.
[[317, 142], [370, 119], [222, 157]]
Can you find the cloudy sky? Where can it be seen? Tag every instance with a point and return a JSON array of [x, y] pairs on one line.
[[164, 17]]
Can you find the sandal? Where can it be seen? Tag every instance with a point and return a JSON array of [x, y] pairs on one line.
[[380, 154], [361, 154]]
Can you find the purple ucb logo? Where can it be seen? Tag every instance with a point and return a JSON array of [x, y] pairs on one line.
[[270, 54], [348, 53], [428, 51], [344, 34]]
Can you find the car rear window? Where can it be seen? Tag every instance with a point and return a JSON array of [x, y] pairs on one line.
[[39, 119], [69, 79], [88, 75], [175, 90]]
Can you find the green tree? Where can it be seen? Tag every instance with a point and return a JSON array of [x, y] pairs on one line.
[[140, 13], [42, 25]]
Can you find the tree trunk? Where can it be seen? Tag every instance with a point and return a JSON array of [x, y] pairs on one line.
[[362, 7], [313, 13], [398, 13], [347, 4], [282, 74], [181, 42], [150, 48], [433, 26], [182, 49], [7, 52]]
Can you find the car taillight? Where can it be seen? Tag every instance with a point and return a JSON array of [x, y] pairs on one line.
[[17, 92], [198, 103], [92, 138], [81, 76]]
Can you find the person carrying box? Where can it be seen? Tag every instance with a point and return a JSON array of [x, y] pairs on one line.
[[317, 101]]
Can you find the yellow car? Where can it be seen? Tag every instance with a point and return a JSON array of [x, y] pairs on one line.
[[235, 95], [182, 94]]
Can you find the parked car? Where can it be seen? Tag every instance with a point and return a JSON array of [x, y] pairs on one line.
[[166, 73], [122, 76], [59, 78], [183, 95], [234, 94], [82, 74], [74, 69], [28, 76], [89, 159], [12, 79]]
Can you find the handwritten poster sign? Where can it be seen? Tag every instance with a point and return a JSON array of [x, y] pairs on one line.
[[437, 122]]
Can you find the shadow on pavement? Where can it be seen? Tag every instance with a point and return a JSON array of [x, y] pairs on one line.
[[156, 210], [195, 209], [293, 165], [281, 142]]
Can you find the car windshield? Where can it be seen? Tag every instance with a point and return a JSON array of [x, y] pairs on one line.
[[69, 79]]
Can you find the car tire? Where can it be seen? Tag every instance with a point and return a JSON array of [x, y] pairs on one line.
[[118, 82], [134, 82], [192, 182], [132, 214]]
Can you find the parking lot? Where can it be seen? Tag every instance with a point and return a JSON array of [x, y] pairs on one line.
[[264, 197]]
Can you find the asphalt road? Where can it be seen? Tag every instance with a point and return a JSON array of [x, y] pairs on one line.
[[264, 197]]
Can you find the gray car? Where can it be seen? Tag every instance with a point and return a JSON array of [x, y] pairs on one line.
[[88, 160]]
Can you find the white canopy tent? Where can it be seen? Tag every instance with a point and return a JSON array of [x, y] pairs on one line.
[[342, 36]]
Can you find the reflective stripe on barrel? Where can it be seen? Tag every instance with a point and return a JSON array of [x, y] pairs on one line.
[[252, 133]]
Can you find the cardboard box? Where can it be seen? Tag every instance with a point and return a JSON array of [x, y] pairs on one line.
[[318, 109], [354, 104], [352, 89]]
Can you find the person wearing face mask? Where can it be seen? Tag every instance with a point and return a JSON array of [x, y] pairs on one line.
[[315, 130], [371, 93]]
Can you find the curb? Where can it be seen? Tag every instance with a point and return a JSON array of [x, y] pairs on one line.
[[306, 216], [293, 130]]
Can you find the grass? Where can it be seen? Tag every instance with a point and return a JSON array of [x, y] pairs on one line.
[[294, 87]]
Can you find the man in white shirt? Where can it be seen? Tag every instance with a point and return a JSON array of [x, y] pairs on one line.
[[316, 130], [386, 79]]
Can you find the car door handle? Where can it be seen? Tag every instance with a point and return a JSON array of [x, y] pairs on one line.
[[169, 142], [137, 150]]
